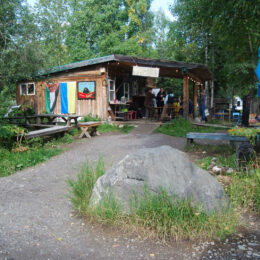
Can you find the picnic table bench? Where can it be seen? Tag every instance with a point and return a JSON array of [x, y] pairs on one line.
[[84, 126], [47, 131], [215, 136]]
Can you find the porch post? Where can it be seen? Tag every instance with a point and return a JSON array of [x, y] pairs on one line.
[[185, 96], [195, 99]]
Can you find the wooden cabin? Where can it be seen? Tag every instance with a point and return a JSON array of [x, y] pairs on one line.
[[94, 86]]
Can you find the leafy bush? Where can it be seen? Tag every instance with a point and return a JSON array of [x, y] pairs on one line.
[[250, 133], [10, 135]]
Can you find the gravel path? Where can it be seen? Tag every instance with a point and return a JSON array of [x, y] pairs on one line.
[[35, 214]]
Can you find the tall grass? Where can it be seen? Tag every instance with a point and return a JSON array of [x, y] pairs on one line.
[[180, 127], [159, 215], [244, 191], [81, 188]]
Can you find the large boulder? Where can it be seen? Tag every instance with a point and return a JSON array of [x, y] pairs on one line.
[[160, 167]]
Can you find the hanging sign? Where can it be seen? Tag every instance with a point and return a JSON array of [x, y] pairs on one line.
[[146, 71]]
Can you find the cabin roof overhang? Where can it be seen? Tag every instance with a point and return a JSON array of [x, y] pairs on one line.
[[168, 68]]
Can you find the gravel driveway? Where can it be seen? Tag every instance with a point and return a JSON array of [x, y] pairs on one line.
[[35, 214]]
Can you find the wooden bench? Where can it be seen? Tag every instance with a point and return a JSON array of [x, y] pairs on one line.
[[215, 136], [84, 126], [47, 131]]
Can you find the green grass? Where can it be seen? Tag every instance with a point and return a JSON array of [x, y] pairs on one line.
[[11, 162], [180, 127], [244, 191], [91, 118], [223, 149], [160, 215], [224, 161], [114, 128], [37, 150], [81, 188]]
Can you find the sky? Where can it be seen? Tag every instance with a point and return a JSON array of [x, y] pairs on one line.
[[156, 5]]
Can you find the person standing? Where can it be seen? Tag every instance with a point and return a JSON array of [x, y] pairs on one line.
[[168, 105], [202, 106], [160, 100]]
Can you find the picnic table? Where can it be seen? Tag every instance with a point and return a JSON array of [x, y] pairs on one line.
[[51, 118], [84, 126], [47, 131]]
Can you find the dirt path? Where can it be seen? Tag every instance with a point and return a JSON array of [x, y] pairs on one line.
[[35, 214]]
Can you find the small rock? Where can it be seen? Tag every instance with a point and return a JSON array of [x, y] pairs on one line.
[[230, 170], [256, 255], [249, 252], [217, 170], [214, 159], [121, 126], [241, 247], [212, 243], [209, 252]]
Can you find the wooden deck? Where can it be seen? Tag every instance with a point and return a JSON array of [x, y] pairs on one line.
[[47, 131]]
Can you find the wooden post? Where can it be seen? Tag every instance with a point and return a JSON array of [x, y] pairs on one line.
[[195, 99], [185, 96]]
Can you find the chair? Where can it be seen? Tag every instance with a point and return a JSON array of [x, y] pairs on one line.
[[236, 116]]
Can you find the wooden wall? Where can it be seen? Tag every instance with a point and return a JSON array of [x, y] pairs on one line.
[[97, 107]]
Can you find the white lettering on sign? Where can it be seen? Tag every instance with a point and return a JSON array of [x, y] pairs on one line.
[[146, 71]]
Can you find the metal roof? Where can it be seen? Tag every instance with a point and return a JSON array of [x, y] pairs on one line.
[[199, 70]]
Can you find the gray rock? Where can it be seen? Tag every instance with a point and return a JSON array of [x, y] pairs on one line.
[[160, 167], [241, 247]]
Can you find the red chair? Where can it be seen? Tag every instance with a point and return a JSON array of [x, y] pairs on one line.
[[130, 115]]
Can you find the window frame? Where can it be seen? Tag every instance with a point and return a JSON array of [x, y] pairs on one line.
[[27, 85]]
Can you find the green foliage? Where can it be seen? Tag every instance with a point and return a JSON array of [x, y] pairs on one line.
[[244, 191], [112, 128], [99, 28], [250, 133], [162, 215], [11, 162], [9, 134], [224, 161], [91, 118], [180, 127], [81, 188], [171, 217], [222, 34]]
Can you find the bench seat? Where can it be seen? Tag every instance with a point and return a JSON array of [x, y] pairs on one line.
[[215, 136]]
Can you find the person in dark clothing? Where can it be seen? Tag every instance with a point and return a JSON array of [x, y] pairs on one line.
[[160, 98], [202, 106], [148, 103]]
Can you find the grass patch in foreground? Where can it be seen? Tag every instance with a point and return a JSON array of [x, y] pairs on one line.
[[180, 127], [35, 152], [113, 128], [11, 162], [244, 191], [160, 215]]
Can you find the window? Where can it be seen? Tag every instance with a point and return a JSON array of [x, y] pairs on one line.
[[111, 91], [126, 91], [27, 89]]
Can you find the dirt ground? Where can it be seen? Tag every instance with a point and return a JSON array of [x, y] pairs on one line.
[[36, 221]]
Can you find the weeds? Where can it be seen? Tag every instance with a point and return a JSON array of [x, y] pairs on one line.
[[160, 215], [81, 188], [180, 127], [113, 128], [244, 191], [91, 118]]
